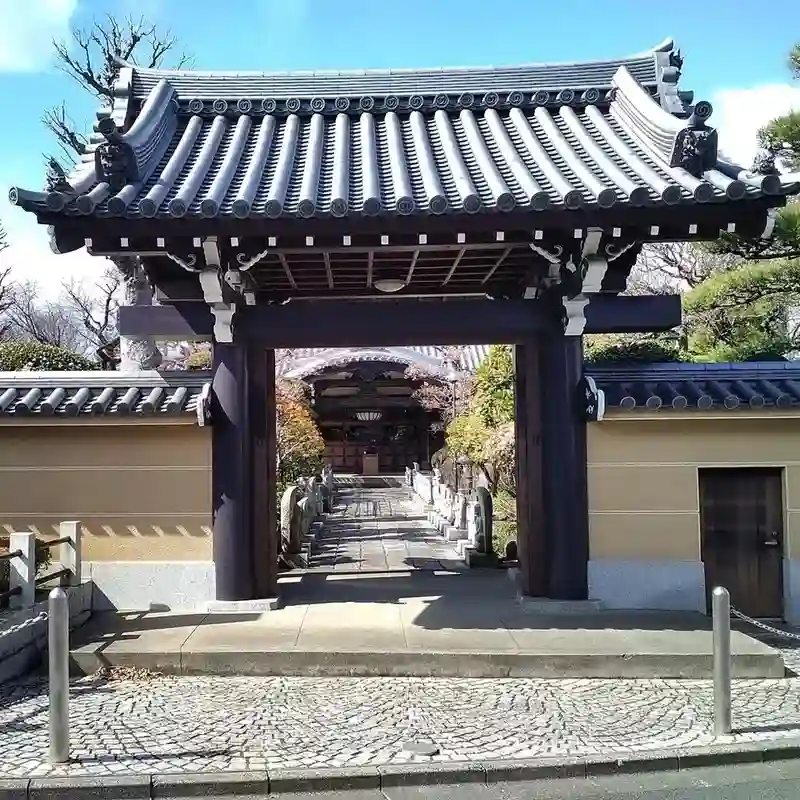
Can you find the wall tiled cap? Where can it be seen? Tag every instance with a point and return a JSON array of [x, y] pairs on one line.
[[60, 394], [700, 386], [452, 142]]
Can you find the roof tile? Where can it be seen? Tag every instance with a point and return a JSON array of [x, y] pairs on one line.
[[400, 142], [94, 394]]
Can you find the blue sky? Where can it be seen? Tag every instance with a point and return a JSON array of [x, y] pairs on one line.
[[735, 55]]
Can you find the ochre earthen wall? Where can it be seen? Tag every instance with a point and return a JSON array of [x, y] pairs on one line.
[[643, 478], [141, 490]]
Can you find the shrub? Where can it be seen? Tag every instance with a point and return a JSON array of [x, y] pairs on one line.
[[504, 529], [34, 356], [199, 359], [613, 349], [493, 398], [300, 443]]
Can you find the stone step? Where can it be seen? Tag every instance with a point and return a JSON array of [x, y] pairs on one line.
[[580, 663], [369, 481]]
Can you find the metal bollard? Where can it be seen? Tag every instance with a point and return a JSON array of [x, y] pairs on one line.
[[58, 655], [721, 620]]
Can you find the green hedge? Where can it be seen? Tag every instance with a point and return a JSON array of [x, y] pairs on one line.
[[611, 350], [34, 356]]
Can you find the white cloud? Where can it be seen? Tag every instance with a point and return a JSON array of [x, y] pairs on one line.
[[31, 259], [27, 28], [739, 113]]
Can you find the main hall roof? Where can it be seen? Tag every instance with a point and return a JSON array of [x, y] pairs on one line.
[[183, 144]]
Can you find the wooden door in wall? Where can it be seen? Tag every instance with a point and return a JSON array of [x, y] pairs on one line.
[[741, 524]]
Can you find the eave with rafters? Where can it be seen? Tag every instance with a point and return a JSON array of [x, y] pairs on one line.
[[499, 182]]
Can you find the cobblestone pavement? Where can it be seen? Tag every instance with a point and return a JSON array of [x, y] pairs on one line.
[[378, 529], [207, 724]]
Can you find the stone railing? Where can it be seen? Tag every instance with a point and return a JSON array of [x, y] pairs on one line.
[[23, 627], [466, 520], [22, 566], [303, 507]]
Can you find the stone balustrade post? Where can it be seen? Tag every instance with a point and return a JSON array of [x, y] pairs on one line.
[[70, 552], [460, 518], [22, 570]]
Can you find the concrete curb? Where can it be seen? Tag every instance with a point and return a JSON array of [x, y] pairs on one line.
[[285, 781]]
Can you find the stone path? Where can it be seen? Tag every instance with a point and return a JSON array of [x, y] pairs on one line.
[[208, 724], [380, 529]]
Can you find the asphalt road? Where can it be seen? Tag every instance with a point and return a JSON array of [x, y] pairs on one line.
[[775, 781]]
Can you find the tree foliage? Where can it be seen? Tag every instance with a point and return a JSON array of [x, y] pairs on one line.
[[300, 443], [779, 141], [483, 432], [34, 356], [493, 392], [625, 348], [745, 314]]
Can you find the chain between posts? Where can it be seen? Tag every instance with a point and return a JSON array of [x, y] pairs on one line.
[[26, 623], [763, 626]]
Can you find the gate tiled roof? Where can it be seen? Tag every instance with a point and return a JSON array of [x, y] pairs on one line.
[[208, 145]]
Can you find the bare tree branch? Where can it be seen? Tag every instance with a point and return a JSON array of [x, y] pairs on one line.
[[91, 58], [670, 267], [96, 312], [71, 141], [51, 323], [6, 288], [447, 392]]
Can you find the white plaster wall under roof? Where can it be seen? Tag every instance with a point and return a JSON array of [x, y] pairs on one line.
[[308, 361]]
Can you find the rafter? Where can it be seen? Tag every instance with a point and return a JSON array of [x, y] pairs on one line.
[[412, 266], [454, 266], [287, 270], [503, 256], [327, 258]]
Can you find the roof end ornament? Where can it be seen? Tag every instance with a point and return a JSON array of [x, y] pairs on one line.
[[669, 65], [695, 147], [114, 160]]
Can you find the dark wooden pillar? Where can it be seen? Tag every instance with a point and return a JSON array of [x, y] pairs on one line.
[[263, 469], [564, 459], [531, 524], [230, 483]]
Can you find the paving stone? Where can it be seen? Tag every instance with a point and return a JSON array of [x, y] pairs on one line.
[[214, 723]]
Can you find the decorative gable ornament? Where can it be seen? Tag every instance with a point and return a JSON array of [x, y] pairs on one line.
[[593, 399], [204, 406]]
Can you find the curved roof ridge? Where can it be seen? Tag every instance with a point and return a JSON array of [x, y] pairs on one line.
[[666, 45]]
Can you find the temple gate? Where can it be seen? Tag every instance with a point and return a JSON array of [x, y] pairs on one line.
[[409, 207]]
